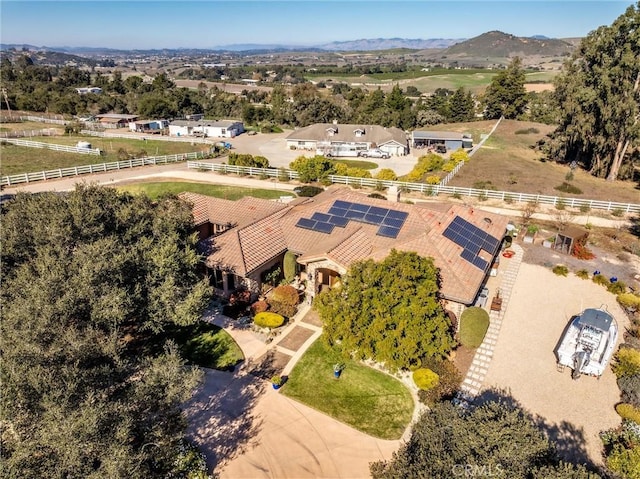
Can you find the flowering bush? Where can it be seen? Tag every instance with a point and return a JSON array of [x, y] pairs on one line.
[[581, 251]]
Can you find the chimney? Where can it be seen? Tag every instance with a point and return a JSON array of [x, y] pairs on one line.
[[393, 194]]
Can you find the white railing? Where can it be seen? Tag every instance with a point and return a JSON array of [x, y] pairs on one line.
[[29, 133], [52, 146], [429, 190], [149, 136], [97, 168], [41, 119], [453, 172]]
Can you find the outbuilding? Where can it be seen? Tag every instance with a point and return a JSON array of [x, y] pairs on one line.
[[206, 128], [450, 139]]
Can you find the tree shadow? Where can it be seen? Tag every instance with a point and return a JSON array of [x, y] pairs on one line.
[[568, 439], [220, 416]]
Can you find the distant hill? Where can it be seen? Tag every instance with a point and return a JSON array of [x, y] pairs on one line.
[[388, 44], [45, 56], [499, 44]]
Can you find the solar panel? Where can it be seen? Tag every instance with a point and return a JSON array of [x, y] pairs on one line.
[[334, 210], [339, 221], [306, 223], [360, 207], [468, 255], [323, 227], [376, 210], [373, 219], [388, 231], [342, 204], [321, 217], [480, 263], [396, 223], [400, 215], [355, 215]]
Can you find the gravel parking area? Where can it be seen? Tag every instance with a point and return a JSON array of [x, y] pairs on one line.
[[572, 412]]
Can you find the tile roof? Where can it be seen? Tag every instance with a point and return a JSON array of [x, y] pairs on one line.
[[372, 133], [244, 249]]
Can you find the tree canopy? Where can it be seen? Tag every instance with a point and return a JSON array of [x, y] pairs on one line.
[[496, 439], [89, 279], [599, 98], [506, 95], [388, 311]]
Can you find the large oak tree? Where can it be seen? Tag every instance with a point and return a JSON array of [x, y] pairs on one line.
[[88, 280]]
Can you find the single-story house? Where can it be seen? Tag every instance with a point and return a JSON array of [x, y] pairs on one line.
[[327, 136], [451, 139], [89, 89], [206, 128], [115, 120], [148, 126], [245, 240]]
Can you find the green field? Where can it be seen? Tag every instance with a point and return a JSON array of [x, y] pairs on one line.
[[158, 188], [21, 159], [364, 398], [365, 165]]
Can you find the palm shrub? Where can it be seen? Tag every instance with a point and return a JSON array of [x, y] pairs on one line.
[[560, 270], [600, 279], [627, 362], [284, 300], [617, 288], [267, 319], [582, 274], [474, 323], [425, 379]]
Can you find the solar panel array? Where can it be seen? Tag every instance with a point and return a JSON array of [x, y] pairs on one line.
[[341, 212], [472, 239]]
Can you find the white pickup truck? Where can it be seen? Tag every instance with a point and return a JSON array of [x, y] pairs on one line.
[[374, 153]]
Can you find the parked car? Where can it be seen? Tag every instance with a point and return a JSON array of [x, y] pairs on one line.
[[374, 153], [481, 301], [441, 149]]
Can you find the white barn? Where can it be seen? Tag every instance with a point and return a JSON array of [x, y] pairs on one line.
[[206, 128]]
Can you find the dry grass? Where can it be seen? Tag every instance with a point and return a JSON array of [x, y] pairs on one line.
[[507, 162]]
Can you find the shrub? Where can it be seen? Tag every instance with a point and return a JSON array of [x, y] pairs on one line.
[[628, 411], [386, 174], [449, 166], [617, 288], [561, 204], [584, 208], [617, 212], [508, 199], [308, 190], [425, 379], [581, 251], [289, 266], [474, 323], [482, 196], [449, 380], [259, 307], [526, 131], [582, 274], [432, 180], [484, 185], [277, 380], [456, 196], [630, 389], [629, 301], [560, 270], [627, 362], [568, 188], [284, 300], [267, 319], [600, 279], [569, 176], [377, 196]]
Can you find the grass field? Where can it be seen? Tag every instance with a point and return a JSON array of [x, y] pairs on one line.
[[365, 165], [507, 162], [364, 398], [207, 345], [155, 189]]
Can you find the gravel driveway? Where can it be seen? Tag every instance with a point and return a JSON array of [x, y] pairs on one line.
[[573, 412]]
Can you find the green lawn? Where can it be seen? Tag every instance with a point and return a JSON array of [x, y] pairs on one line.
[[207, 345], [20, 159], [365, 165], [364, 398], [155, 189]]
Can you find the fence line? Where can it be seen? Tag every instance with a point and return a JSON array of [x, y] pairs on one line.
[[29, 133], [97, 168], [429, 190], [192, 140], [52, 146], [453, 172]]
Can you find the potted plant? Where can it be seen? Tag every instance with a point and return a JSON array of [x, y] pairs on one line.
[[531, 233], [337, 369], [277, 381]]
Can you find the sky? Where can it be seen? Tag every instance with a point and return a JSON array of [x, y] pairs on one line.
[[148, 24]]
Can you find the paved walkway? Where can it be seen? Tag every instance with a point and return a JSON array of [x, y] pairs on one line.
[[476, 374]]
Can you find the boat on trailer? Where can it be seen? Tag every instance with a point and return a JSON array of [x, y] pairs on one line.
[[588, 343]]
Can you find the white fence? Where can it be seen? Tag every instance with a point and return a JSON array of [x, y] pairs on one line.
[[41, 119], [429, 190], [29, 133], [116, 134], [97, 168], [52, 146]]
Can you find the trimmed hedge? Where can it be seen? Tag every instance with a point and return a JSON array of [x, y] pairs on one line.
[[284, 300], [425, 379], [629, 300], [267, 319], [474, 323], [627, 362]]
